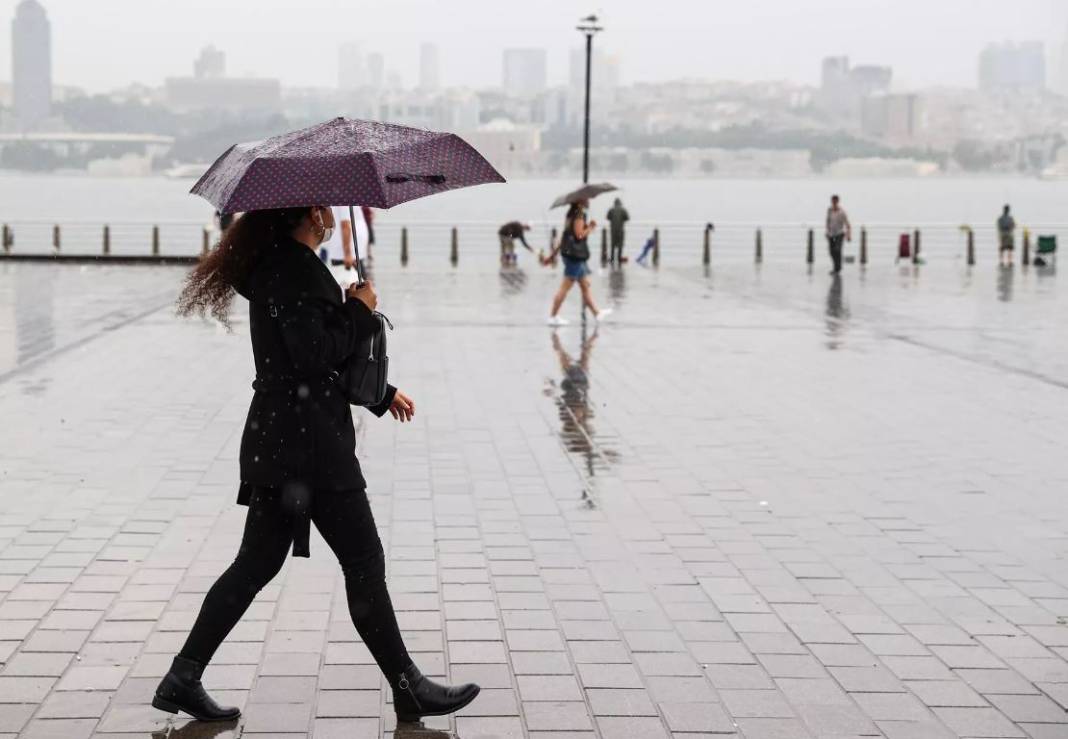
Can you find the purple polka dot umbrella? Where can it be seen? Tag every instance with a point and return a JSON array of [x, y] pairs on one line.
[[342, 162]]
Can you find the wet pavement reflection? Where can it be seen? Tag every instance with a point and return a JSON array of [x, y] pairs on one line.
[[1006, 275], [837, 314], [200, 730], [576, 413]]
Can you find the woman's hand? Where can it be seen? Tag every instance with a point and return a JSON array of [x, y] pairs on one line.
[[402, 408], [365, 293]]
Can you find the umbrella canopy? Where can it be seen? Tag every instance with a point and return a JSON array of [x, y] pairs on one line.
[[342, 162], [586, 192]]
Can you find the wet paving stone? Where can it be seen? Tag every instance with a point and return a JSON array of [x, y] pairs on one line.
[[757, 503]]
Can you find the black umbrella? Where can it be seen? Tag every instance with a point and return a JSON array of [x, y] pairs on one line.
[[586, 192]]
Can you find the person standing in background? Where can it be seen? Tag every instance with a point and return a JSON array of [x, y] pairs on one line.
[[838, 230], [617, 217], [508, 233], [1006, 236]]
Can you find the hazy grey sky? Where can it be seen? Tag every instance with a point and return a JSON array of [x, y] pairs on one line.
[[100, 44]]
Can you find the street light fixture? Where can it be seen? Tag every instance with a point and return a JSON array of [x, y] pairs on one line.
[[589, 27]]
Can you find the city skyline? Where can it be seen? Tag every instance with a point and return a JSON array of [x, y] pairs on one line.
[[772, 41]]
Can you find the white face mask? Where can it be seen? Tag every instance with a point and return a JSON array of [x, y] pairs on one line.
[[328, 233]]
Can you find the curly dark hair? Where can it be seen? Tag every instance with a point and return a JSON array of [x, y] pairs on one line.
[[211, 286]]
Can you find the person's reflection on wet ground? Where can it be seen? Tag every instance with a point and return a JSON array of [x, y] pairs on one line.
[[837, 314], [1006, 274], [575, 409], [513, 280], [617, 283]]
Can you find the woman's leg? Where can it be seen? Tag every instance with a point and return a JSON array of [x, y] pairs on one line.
[[587, 294], [345, 520], [561, 294], [264, 546]]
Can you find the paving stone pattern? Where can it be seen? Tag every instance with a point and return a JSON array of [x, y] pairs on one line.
[[757, 504]]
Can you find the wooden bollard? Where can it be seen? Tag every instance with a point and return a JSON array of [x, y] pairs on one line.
[[454, 249], [604, 246], [971, 247], [205, 241], [107, 240], [404, 246], [758, 255], [810, 251], [56, 240], [1027, 247], [863, 245], [155, 241], [706, 255], [7, 239], [656, 247], [916, 246]]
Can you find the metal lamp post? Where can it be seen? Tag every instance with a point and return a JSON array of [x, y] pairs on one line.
[[589, 27]]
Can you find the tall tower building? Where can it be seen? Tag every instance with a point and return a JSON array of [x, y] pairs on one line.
[[210, 65], [351, 66], [524, 72], [376, 70], [31, 64], [429, 68]]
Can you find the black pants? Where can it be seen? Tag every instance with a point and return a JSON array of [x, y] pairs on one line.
[[617, 250], [344, 519], [834, 244]]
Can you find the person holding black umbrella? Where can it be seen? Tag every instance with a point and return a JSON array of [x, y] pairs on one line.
[[574, 249], [297, 460]]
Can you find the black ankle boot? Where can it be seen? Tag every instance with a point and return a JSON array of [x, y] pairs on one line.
[[415, 696], [181, 690]]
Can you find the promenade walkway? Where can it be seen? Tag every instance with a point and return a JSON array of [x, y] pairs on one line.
[[759, 503]]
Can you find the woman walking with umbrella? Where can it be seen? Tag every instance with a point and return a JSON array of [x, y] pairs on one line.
[[297, 451], [574, 249]]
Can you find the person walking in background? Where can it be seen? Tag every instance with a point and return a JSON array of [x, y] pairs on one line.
[[617, 217], [1006, 236], [575, 251], [338, 251], [650, 245], [508, 233], [838, 230], [297, 460]]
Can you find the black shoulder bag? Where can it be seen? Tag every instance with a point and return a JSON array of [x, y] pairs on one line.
[[364, 377], [571, 247]]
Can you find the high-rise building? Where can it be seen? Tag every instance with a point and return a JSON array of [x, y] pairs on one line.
[[31, 68], [844, 88], [1013, 67], [1062, 80], [429, 67], [376, 70], [211, 64], [605, 72], [524, 72], [351, 66]]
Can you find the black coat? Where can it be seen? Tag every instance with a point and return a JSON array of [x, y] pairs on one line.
[[299, 429]]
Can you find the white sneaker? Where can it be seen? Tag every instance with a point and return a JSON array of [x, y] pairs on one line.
[[602, 314], [558, 321]]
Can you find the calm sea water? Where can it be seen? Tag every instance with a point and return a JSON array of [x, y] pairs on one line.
[[781, 206]]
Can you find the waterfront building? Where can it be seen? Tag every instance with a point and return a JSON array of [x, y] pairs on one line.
[[1013, 67], [31, 67]]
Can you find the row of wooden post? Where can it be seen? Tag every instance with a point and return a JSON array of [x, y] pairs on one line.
[[7, 242]]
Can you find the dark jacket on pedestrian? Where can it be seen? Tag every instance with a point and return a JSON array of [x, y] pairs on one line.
[[299, 430], [514, 230], [617, 217]]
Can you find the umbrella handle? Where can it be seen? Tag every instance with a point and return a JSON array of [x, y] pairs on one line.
[[356, 246]]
